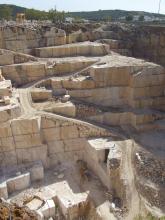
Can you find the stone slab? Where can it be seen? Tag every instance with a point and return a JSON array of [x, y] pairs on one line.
[[18, 183]]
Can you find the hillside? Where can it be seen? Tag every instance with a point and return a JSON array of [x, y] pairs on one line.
[[90, 15], [15, 9], [114, 14]]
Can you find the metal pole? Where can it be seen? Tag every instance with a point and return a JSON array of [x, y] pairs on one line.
[[159, 6]]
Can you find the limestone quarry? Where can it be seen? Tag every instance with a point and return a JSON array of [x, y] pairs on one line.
[[82, 122]]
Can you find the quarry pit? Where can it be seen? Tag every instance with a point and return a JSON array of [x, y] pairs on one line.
[[82, 123]]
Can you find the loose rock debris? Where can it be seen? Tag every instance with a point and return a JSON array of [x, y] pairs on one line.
[[14, 212]]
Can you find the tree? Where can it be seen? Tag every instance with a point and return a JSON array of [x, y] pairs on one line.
[[56, 16], [141, 18], [32, 14], [5, 12], [108, 18], [129, 18]]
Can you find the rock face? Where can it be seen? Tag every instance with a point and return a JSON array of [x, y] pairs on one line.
[[22, 140], [24, 39], [41, 94], [143, 41], [23, 73], [8, 57], [150, 43], [81, 126], [78, 49]]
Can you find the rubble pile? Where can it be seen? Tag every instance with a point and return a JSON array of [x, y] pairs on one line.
[[150, 168], [12, 211]]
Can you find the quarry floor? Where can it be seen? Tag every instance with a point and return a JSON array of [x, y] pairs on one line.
[[64, 181]]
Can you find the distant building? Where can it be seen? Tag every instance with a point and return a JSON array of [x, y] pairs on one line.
[[148, 18], [85, 20], [136, 18], [121, 18], [153, 18], [69, 19]]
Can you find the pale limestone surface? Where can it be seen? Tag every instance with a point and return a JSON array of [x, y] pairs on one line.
[[128, 92], [41, 94], [77, 49], [67, 109], [18, 183], [23, 73], [24, 39], [3, 190], [49, 209], [8, 57], [5, 88]]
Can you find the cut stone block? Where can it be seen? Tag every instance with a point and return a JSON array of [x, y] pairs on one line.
[[69, 132], [79, 49], [29, 71], [68, 109], [8, 144], [70, 204], [96, 149], [26, 126], [8, 158], [55, 147], [28, 155], [6, 100], [5, 130], [47, 123], [41, 94], [8, 112], [75, 144], [39, 214], [28, 140], [3, 190], [51, 134], [35, 203], [5, 88], [37, 172], [49, 209], [18, 183], [6, 59], [82, 82]]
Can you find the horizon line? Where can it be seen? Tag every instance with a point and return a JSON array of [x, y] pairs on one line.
[[85, 10]]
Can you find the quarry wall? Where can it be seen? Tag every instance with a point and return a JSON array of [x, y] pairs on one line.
[[42, 138], [23, 73], [24, 39], [149, 43]]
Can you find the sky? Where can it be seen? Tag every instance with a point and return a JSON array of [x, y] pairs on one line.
[[90, 5]]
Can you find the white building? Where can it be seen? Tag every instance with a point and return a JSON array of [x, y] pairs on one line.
[[69, 19]]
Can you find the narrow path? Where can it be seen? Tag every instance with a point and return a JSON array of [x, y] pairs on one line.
[[28, 110], [25, 101], [134, 205]]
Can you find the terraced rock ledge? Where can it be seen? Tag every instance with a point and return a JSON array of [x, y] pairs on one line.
[[81, 126]]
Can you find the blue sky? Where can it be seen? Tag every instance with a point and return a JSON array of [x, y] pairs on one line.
[[87, 5]]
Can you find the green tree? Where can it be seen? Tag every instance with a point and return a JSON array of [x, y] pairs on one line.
[[129, 18], [5, 12], [108, 19], [141, 18], [56, 16], [32, 14]]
